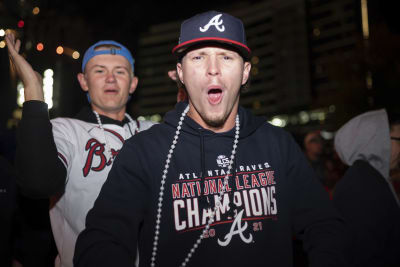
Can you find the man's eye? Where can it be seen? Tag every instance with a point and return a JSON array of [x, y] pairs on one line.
[[227, 57], [196, 57]]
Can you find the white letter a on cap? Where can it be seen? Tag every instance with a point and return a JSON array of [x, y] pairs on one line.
[[214, 22]]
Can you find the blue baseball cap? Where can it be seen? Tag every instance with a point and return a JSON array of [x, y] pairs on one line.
[[213, 26], [91, 52]]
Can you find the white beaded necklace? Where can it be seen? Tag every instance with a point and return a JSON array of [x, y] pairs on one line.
[[108, 147], [217, 203]]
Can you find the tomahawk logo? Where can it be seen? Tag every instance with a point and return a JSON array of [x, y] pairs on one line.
[[222, 161], [214, 22], [236, 229]]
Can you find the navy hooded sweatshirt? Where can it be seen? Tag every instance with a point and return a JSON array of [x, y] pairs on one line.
[[273, 195]]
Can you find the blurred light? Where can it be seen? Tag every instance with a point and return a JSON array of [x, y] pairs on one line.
[[28, 45], [316, 32], [59, 50], [35, 10], [304, 117], [75, 55], [326, 135], [2, 44], [254, 71], [48, 73], [48, 87], [369, 80], [364, 15], [280, 122], [156, 118], [70, 52], [20, 94], [255, 60], [39, 47], [2, 32], [21, 23], [321, 116], [313, 115], [332, 108], [17, 113]]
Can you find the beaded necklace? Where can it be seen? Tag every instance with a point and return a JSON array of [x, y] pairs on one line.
[[108, 147], [217, 203]]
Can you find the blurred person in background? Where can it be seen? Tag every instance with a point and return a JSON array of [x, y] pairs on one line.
[[313, 144], [370, 145]]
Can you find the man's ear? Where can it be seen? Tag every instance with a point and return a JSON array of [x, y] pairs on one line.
[[134, 84], [246, 72], [179, 72], [82, 81]]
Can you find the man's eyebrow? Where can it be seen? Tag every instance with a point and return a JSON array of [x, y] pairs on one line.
[[122, 67], [194, 53], [117, 67], [98, 65]]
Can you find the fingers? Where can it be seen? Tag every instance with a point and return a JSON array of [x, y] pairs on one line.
[[17, 45], [10, 39], [31, 79], [13, 45]]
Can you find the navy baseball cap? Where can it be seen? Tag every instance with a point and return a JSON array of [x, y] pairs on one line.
[[213, 26], [91, 52]]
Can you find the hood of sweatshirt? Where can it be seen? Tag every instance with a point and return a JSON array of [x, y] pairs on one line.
[[366, 137]]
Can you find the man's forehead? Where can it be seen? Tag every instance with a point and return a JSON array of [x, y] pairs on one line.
[[312, 136], [107, 47], [109, 59], [214, 47]]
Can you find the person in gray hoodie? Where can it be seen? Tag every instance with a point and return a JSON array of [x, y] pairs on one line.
[[364, 196]]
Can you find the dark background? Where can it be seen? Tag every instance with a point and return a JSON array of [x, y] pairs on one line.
[[78, 24]]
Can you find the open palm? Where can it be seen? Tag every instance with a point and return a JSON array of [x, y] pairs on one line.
[[31, 79]]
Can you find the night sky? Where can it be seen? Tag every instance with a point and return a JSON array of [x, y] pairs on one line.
[[88, 21]]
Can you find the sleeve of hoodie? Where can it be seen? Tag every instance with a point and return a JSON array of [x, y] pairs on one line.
[[112, 225], [315, 220], [40, 172]]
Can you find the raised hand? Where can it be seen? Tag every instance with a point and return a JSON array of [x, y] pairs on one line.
[[32, 80]]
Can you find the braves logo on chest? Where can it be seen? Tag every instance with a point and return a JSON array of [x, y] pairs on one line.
[[96, 150]]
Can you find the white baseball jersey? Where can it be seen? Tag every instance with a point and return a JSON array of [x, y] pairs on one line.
[[81, 147]]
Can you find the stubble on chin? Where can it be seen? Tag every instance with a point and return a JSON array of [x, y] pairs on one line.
[[217, 122]]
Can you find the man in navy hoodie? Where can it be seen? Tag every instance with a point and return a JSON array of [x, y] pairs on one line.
[[213, 185]]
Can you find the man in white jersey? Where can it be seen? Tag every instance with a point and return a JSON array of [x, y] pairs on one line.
[[68, 159]]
